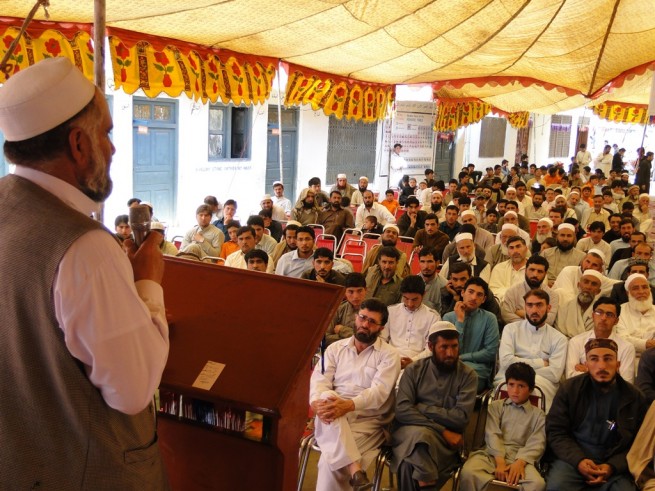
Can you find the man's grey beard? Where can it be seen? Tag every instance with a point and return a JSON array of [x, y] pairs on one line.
[[641, 305], [585, 298], [541, 237], [98, 186]]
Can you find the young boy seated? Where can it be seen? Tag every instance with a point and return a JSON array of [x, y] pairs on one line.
[[371, 225], [515, 438], [491, 223], [231, 245], [389, 202]]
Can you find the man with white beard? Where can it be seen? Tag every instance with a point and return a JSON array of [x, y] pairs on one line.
[[544, 230], [466, 254], [575, 314], [510, 194], [498, 252], [569, 277], [637, 319]]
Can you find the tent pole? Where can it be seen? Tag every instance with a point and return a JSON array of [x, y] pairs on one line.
[[99, 17], [4, 66], [279, 122]]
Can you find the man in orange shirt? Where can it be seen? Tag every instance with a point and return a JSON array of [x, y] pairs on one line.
[[390, 202]]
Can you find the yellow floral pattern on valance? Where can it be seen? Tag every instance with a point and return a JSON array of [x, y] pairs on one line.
[[343, 98], [622, 113], [518, 120], [452, 115], [173, 68], [46, 40]]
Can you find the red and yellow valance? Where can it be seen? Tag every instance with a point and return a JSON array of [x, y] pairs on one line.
[[622, 113], [158, 65], [455, 114], [338, 96], [46, 40]]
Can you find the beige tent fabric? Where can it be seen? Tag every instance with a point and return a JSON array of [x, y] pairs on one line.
[[578, 45]]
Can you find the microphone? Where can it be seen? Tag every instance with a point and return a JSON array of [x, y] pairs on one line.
[[139, 222]]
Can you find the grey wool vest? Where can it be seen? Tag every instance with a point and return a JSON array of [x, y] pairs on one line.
[[56, 431]]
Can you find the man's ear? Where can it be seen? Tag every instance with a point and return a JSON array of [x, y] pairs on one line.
[[78, 144]]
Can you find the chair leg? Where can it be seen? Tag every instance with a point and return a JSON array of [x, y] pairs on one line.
[[304, 458]]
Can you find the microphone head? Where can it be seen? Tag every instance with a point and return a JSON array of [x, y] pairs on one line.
[[139, 222]]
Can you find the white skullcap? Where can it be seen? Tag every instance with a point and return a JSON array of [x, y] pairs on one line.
[[42, 97], [511, 213], [294, 222], [509, 226], [467, 212], [436, 192], [511, 188], [278, 183], [632, 278], [625, 173], [592, 272], [644, 195], [597, 252], [566, 226], [441, 326], [560, 197], [266, 196], [341, 176], [391, 225], [574, 192], [463, 236], [361, 177], [547, 220], [157, 226]]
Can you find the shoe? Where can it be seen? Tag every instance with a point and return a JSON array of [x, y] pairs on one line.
[[360, 482]]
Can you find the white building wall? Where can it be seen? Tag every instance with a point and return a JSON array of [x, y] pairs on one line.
[[467, 149]]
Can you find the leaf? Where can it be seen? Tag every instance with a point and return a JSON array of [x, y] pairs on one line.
[[169, 69], [158, 67], [127, 63], [19, 59]]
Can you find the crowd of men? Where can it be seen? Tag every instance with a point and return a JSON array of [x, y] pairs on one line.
[[535, 272]]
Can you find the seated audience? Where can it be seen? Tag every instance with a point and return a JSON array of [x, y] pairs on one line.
[[294, 263], [323, 261], [637, 319], [433, 282], [389, 238], [565, 254], [232, 245], [262, 240], [246, 241], [122, 228], [256, 260], [413, 219], [466, 254], [508, 273], [382, 280], [204, 239], [430, 236], [575, 312]]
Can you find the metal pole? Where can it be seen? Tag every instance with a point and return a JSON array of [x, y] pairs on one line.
[[99, 17], [279, 121]]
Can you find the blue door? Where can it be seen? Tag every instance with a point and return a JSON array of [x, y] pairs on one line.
[[3, 163], [155, 155]]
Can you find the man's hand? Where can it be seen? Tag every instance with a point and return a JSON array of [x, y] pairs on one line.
[[320, 279], [516, 472], [451, 290], [404, 361], [579, 367], [520, 313], [454, 440], [197, 237], [147, 261], [337, 328], [332, 408], [412, 218], [546, 362], [650, 343], [500, 472], [588, 469], [460, 311]]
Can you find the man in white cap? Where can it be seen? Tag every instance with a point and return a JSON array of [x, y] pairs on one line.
[[510, 272], [84, 326], [277, 211], [357, 198], [564, 253], [544, 231], [351, 393], [280, 200], [642, 210], [637, 319], [513, 218], [466, 254], [535, 342], [510, 195], [498, 253], [371, 207], [574, 315], [167, 248], [434, 402], [567, 280], [483, 238], [605, 316], [343, 187]]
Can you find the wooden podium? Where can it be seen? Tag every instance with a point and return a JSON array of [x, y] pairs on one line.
[[243, 432]]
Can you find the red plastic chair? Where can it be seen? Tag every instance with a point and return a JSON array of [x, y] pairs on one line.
[[348, 234], [414, 265], [326, 240], [357, 260], [371, 240], [400, 212], [533, 228], [405, 244], [318, 229]]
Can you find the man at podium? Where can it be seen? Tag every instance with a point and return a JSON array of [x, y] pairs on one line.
[[353, 400]]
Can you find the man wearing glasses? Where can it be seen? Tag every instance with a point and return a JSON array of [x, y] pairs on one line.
[[352, 395], [605, 316]]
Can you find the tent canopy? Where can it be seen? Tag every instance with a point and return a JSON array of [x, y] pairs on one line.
[[516, 55]]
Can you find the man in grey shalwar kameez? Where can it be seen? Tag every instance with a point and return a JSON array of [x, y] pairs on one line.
[[435, 399]]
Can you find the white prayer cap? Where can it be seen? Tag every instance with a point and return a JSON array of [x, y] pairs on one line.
[[42, 97], [509, 226], [294, 222], [360, 178], [436, 192], [441, 326], [561, 198], [278, 183], [341, 176], [567, 226], [644, 195], [574, 192], [633, 277], [598, 252], [592, 272], [511, 188], [511, 213], [463, 236], [266, 197], [547, 220], [157, 226], [391, 225], [467, 212]]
